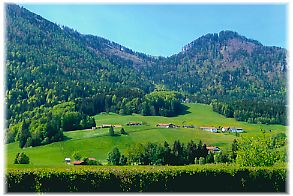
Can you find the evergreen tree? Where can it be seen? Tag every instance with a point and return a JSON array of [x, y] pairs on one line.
[[123, 160], [122, 131], [191, 151], [204, 151], [114, 157], [210, 158], [111, 131], [167, 154], [199, 152], [234, 149], [24, 133]]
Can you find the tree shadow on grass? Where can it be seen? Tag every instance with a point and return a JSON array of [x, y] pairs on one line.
[[184, 110], [66, 138], [116, 135]]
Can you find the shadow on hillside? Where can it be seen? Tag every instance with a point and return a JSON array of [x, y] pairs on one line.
[[184, 110]]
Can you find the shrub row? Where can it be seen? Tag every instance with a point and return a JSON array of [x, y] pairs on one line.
[[194, 178]]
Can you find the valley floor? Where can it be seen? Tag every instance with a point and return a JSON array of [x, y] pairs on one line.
[[97, 143]]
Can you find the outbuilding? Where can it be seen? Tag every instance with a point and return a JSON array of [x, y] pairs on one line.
[[134, 124], [67, 160], [167, 125], [236, 130]]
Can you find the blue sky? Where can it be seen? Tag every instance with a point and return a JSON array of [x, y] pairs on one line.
[[163, 29]]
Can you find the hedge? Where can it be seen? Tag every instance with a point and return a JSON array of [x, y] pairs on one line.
[[194, 178]]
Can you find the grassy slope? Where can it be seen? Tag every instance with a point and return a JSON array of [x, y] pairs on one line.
[[96, 143]]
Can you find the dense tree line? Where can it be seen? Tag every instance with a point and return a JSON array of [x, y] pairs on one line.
[[261, 151], [263, 112], [127, 101], [176, 154], [46, 125], [162, 103]]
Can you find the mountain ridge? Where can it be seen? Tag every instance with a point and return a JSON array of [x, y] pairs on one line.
[[231, 35]]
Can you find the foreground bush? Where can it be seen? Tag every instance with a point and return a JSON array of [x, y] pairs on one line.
[[195, 178], [21, 158], [262, 150]]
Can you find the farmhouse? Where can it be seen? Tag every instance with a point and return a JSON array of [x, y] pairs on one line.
[[236, 130], [213, 148], [167, 125], [210, 129], [92, 159], [224, 129], [134, 124]]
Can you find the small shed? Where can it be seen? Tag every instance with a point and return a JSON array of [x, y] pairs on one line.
[[67, 160], [134, 124]]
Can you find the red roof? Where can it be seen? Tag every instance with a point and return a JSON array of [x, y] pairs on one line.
[[163, 124], [211, 147], [77, 162], [92, 159]]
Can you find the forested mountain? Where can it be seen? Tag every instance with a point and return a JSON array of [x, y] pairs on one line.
[[241, 77], [224, 65], [48, 64]]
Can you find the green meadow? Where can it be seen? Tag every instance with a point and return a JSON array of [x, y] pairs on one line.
[[97, 143]]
